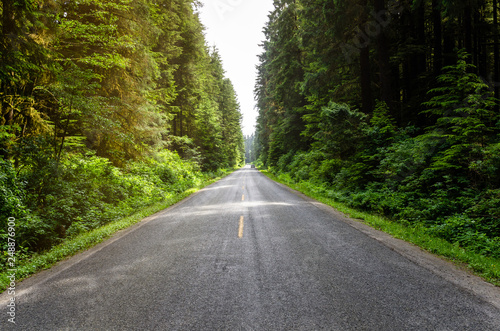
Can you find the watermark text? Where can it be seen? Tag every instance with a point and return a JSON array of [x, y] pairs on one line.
[[11, 264]]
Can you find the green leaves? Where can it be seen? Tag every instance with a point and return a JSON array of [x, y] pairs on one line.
[[92, 93], [428, 153], [339, 130], [463, 109]]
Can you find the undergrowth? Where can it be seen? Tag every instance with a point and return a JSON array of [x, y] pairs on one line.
[[428, 238], [62, 209]]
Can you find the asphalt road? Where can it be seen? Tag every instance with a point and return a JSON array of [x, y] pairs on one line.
[[248, 254]]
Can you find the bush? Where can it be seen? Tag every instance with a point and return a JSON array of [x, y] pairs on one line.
[[469, 233], [13, 205], [52, 201], [303, 166], [12, 193], [486, 208]]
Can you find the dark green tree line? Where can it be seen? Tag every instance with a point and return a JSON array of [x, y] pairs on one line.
[[119, 77], [106, 89], [390, 106]]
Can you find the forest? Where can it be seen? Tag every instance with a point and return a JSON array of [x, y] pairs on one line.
[[390, 107], [106, 106]]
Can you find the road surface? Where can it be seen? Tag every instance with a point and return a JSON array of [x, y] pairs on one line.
[[249, 254]]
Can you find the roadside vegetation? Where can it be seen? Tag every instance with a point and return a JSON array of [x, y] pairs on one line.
[[387, 107], [98, 201], [484, 266], [107, 108]]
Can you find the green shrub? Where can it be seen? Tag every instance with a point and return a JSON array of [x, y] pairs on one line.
[[486, 208], [12, 193], [469, 233], [283, 164], [82, 192], [328, 170]]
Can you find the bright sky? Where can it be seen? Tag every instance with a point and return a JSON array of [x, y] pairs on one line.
[[235, 28]]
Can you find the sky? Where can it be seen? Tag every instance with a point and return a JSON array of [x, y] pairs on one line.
[[235, 28]]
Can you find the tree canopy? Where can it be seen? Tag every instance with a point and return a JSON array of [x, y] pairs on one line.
[[106, 106], [390, 106], [122, 78]]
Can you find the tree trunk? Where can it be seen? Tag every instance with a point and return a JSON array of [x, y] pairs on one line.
[[364, 64], [449, 55], [181, 130], [408, 69], [420, 61], [383, 58], [438, 37], [366, 93], [468, 30], [8, 29], [496, 51]]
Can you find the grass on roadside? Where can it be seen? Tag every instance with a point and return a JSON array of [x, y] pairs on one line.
[[90, 239], [486, 267]]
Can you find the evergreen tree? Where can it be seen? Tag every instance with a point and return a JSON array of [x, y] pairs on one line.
[[24, 66], [418, 156]]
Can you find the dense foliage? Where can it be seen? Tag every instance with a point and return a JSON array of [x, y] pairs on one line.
[[390, 106], [106, 106], [250, 156]]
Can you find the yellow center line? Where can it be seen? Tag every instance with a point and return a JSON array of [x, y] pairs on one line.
[[240, 231], [243, 197]]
